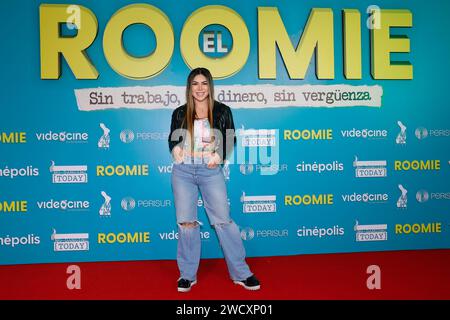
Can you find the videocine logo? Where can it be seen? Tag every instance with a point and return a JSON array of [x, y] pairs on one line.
[[70, 241], [105, 209], [402, 201], [368, 169], [70, 137], [371, 232], [127, 136], [254, 204], [64, 205], [366, 197], [103, 142], [68, 174], [401, 136], [257, 137]]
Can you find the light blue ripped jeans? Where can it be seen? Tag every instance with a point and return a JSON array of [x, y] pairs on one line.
[[187, 180]]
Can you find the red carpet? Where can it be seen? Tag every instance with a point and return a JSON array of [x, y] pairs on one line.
[[405, 275]]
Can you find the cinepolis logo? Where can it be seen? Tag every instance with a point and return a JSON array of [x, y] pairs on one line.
[[128, 204], [13, 137], [257, 137], [29, 239], [319, 167], [69, 174], [12, 173], [127, 136], [104, 141], [247, 233], [403, 199], [105, 209], [401, 136], [70, 241], [320, 232], [368, 169], [371, 232], [255, 204]]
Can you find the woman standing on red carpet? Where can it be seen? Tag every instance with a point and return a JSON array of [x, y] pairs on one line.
[[201, 137]]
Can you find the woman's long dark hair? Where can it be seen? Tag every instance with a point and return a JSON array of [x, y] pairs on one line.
[[190, 110]]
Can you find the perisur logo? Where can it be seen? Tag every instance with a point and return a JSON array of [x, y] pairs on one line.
[[127, 136], [70, 241], [68, 174], [255, 204], [247, 234], [370, 232], [370, 169], [128, 203]]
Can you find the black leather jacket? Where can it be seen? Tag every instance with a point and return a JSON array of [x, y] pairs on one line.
[[222, 120]]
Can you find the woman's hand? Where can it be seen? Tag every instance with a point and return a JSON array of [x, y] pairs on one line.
[[214, 161], [177, 154]]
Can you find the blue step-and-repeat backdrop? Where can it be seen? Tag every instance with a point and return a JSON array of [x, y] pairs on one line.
[[341, 109]]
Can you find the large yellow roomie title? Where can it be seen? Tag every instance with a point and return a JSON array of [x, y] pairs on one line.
[[317, 36]]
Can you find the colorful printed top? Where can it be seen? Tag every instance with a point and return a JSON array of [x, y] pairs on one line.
[[203, 143]]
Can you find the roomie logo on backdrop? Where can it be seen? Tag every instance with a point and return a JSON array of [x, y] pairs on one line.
[[13, 206], [13, 137], [123, 237], [122, 170]]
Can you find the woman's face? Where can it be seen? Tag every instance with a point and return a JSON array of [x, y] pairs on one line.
[[200, 88]]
